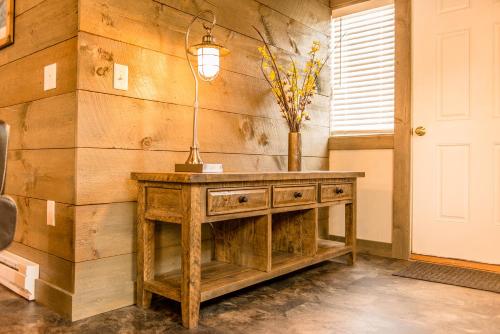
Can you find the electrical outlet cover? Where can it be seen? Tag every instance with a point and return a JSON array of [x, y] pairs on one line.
[[51, 213], [50, 77], [120, 77]]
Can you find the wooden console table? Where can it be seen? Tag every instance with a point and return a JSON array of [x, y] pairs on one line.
[[264, 225]]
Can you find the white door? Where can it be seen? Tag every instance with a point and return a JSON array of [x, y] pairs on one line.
[[456, 97]]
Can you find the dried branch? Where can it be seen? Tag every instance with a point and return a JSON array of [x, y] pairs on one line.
[[290, 98]]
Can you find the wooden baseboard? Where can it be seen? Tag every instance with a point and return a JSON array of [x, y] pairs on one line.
[[456, 263], [105, 299], [371, 247], [55, 298]]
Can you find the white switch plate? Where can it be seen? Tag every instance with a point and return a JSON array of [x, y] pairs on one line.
[[120, 77], [50, 77], [51, 213]]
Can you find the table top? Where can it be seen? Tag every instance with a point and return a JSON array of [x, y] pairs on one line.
[[236, 177]]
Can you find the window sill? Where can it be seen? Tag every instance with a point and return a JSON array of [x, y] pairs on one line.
[[370, 142]]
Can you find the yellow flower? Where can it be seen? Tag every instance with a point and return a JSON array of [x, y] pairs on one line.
[[263, 52], [315, 47], [272, 76], [293, 93]]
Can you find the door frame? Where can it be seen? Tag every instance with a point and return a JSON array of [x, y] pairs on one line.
[[401, 201]]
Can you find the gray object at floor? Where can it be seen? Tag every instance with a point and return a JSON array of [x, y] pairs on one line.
[[469, 278], [8, 209]]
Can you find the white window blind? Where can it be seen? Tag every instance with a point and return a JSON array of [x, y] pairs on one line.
[[363, 72]]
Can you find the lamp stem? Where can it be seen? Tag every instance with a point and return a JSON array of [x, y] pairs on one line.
[[194, 154]]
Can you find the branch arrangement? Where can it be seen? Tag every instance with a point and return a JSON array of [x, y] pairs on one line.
[[292, 88]]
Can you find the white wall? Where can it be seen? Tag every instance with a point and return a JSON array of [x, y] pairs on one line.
[[374, 193]]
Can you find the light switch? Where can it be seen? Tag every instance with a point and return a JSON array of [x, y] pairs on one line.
[[120, 77], [51, 213], [50, 77]]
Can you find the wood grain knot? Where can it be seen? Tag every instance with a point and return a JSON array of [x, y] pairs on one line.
[[263, 140], [147, 142], [101, 71], [105, 55], [247, 129], [107, 20]]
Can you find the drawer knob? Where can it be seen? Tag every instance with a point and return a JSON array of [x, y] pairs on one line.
[[339, 190], [297, 194], [243, 199]]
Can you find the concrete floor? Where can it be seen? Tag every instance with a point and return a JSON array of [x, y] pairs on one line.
[[329, 298]]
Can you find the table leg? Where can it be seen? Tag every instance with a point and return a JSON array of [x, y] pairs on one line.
[[191, 270], [145, 253], [350, 227]]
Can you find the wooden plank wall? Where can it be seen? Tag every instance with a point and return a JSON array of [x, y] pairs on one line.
[[42, 151], [77, 144], [147, 128]]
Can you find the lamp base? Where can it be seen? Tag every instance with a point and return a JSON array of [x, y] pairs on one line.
[[199, 168]]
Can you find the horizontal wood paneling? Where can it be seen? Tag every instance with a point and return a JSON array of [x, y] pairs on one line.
[[25, 5], [312, 13], [44, 25], [239, 16], [45, 123], [109, 283], [108, 230], [158, 77], [148, 127], [32, 229], [103, 176], [153, 26], [104, 230], [108, 121], [44, 174], [22, 80], [42, 124], [100, 274]]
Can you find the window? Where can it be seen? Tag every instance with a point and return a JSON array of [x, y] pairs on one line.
[[363, 72]]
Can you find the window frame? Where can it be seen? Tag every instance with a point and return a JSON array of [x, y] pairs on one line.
[[356, 6], [361, 141], [401, 212]]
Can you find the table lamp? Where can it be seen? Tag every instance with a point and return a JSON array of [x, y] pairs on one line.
[[208, 53]]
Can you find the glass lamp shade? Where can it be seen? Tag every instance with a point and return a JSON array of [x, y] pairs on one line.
[[208, 62]]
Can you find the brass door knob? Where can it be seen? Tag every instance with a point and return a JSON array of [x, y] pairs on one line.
[[420, 131]]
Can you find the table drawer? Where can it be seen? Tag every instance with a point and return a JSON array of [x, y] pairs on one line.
[[164, 204], [294, 195], [224, 201], [336, 192]]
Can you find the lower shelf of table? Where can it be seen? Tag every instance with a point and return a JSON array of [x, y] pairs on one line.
[[219, 278]]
